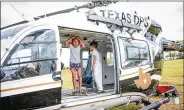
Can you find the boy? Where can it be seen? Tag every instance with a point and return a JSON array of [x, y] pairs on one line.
[[96, 66], [75, 44]]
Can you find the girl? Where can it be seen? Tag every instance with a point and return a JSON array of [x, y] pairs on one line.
[[75, 44]]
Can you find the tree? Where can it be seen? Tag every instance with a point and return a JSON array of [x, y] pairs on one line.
[[182, 41]]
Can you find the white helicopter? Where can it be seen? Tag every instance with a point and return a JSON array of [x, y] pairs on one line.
[[31, 71]]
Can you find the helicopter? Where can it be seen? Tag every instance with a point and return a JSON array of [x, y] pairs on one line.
[[31, 68]]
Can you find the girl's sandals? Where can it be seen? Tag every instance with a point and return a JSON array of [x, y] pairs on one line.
[[74, 92], [82, 92]]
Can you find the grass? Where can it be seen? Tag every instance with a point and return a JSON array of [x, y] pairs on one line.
[[172, 74], [67, 79]]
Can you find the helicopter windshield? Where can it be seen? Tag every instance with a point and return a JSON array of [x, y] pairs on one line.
[[7, 36]]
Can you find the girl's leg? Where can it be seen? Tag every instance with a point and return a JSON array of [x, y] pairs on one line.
[[80, 78], [74, 78]]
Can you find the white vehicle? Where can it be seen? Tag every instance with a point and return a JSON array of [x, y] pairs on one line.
[[31, 75]]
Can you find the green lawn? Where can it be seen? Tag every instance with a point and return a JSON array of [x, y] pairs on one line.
[[172, 74], [67, 79]]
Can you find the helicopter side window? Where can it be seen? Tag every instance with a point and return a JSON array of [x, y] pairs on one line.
[[110, 58], [134, 53], [152, 33], [35, 55]]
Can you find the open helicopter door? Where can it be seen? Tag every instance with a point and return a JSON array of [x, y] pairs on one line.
[[30, 70], [134, 56], [114, 26]]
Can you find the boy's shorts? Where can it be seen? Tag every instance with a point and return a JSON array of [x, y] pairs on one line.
[[75, 66]]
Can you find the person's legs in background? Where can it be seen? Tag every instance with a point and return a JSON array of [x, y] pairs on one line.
[[98, 78]]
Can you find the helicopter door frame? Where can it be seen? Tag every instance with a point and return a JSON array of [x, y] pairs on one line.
[[127, 76], [33, 87]]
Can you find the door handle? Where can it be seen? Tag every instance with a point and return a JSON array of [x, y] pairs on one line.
[[56, 76]]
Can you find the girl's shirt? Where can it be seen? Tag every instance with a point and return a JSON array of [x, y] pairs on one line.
[[75, 54]]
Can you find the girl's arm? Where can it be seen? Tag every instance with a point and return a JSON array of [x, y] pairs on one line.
[[81, 43], [67, 42]]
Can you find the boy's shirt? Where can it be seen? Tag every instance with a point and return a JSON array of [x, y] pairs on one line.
[[98, 59], [75, 54]]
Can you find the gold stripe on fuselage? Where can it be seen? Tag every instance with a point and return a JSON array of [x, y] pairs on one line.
[[29, 86]]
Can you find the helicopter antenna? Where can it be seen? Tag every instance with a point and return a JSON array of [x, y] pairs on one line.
[[22, 15]]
